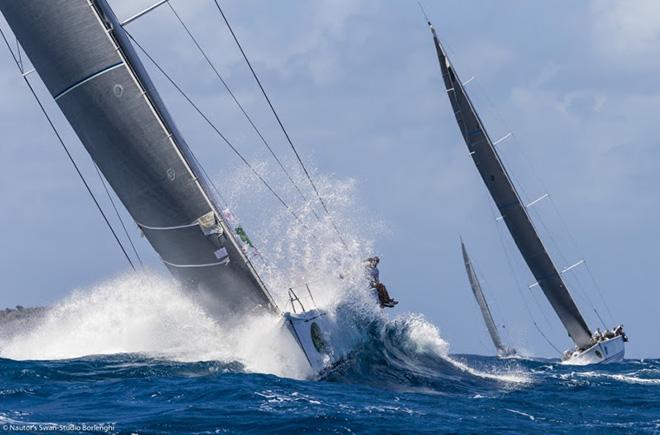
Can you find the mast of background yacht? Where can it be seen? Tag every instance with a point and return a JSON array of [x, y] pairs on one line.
[[501, 349]]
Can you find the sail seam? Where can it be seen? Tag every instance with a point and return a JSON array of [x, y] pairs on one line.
[[178, 151], [66, 151], [87, 79]]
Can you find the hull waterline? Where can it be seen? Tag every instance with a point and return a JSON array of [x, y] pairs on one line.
[[604, 352]]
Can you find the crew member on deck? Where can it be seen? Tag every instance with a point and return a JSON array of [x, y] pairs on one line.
[[374, 280]]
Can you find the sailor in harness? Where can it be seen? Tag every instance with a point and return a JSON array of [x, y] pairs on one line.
[[371, 264]]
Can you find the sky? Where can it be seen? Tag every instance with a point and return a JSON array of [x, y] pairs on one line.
[[359, 89]]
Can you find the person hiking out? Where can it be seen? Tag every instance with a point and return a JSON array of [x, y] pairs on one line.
[[373, 274]]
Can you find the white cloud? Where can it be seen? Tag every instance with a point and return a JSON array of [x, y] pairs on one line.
[[627, 31]]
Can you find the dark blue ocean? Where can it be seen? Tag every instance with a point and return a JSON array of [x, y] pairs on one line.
[[386, 385]]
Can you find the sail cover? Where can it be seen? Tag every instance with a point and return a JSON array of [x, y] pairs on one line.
[[507, 200], [483, 305], [90, 68]]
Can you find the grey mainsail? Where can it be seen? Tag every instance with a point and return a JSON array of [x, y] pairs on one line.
[[508, 202], [84, 58], [501, 349]]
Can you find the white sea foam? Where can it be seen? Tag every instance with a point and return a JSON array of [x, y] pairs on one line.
[[524, 414], [426, 337], [151, 314], [146, 313], [511, 376], [627, 378]]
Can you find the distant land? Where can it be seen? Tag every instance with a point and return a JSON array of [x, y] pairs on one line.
[[14, 320]]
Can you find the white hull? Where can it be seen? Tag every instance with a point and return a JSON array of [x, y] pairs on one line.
[[607, 351], [310, 328]]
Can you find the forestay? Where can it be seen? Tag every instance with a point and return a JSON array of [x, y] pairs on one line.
[[507, 200], [90, 68]]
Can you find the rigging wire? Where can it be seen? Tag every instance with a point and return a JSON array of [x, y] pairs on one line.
[[555, 208], [581, 289], [121, 221], [520, 187], [20, 59], [68, 153], [481, 280], [510, 264], [240, 106], [216, 129], [547, 339], [279, 121], [492, 297], [225, 139], [519, 285], [538, 217], [421, 7]]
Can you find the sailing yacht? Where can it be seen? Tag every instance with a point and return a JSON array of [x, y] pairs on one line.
[[589, 348], [88, 64], [503, 351]]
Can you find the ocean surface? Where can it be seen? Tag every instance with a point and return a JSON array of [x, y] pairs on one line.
[[136, 354], [389, 384]]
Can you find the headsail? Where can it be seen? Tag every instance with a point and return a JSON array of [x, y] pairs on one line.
[[502, 350], [87, 63], [507, 200]]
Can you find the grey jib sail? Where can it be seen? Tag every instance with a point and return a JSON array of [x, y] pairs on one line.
[[508, 202], [87, 63], [483, 305]]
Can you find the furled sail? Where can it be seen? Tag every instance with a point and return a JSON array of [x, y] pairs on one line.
[[483, 305], [507, 200], [90, 68]]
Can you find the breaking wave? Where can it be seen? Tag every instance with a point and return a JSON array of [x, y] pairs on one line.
[[148, 314], [407, 353]]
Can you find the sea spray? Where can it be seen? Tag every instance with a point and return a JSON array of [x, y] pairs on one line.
[[308, 251], [150, 314], [407, 353], [301, 245]]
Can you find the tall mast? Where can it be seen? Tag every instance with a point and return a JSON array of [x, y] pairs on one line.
[[508, 202], [483, 305], [84, 58]]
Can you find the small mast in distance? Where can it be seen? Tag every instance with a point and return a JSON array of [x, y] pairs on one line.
[[502, 350], [589, 348]]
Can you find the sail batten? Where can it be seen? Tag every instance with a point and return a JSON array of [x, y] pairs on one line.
[[89, 66], [509, 203]]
